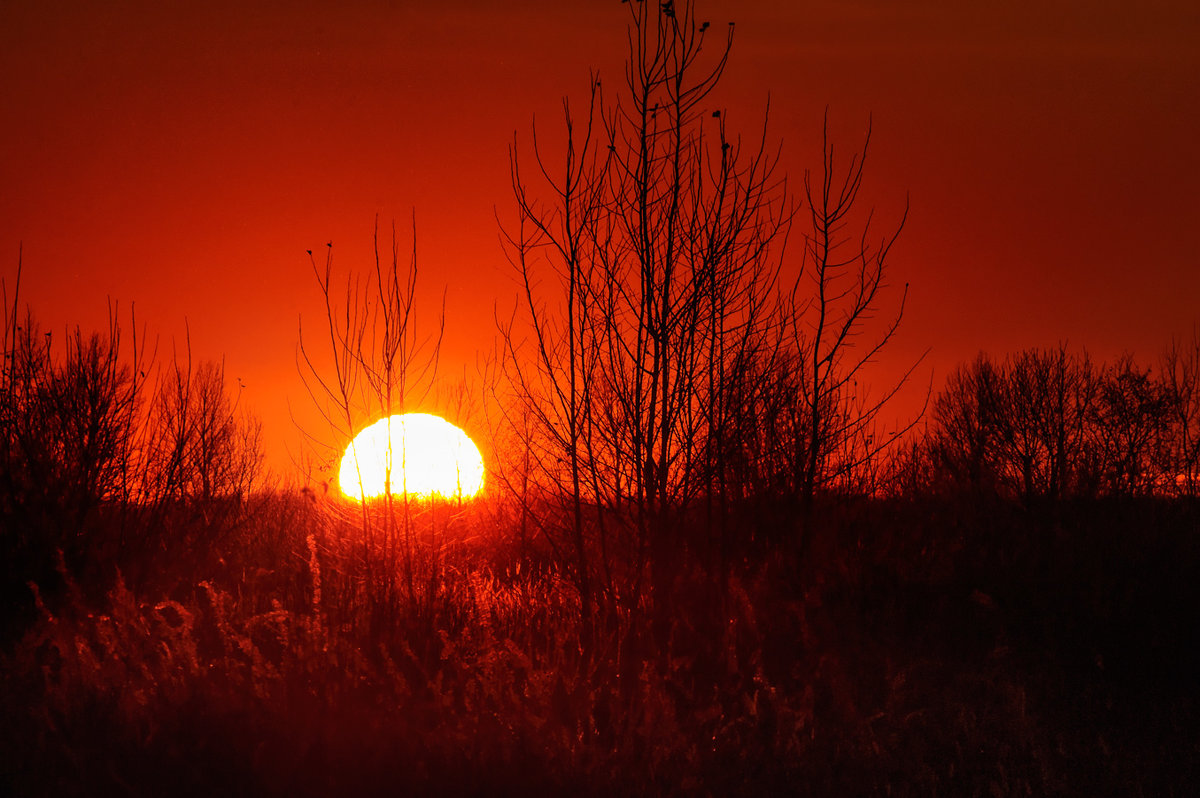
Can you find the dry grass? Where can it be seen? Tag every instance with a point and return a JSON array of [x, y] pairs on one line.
[[882, 681]]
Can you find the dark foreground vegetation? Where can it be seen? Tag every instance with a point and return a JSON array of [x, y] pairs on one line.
[[946, 648], [953, 637], [704, 564]]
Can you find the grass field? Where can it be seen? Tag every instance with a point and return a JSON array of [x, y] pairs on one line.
[[927, 650]]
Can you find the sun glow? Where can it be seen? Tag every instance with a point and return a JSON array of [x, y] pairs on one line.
[[417, 453]]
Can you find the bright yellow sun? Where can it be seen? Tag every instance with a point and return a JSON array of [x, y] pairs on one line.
[[419, 453]]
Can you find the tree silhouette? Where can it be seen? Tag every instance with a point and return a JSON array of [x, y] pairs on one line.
[[964, 437], [1130, 414], [833, 304], [668, 374], [647, 276], [1180, 376], [378, 362]]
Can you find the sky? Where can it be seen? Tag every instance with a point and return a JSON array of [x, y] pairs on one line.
[[183, 157]]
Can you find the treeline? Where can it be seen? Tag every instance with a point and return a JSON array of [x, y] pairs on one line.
[[112, 460], [1046, 425]]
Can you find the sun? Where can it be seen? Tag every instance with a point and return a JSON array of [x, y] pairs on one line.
[[421, 454]]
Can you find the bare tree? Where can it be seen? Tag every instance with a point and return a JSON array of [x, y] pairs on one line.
[[1022, 429], [201, 450], [564, 340], [378, 363], [833, 312], [647, 276], [69, 436], [1044, 413], [1180, 376], [1129, 421], [964, 438]]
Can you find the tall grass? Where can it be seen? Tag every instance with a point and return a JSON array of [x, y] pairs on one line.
[[904, 673]]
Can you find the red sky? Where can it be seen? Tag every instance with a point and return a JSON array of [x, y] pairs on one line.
[[183, 156]]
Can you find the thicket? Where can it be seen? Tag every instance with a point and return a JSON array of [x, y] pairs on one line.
[[111, 460], [1048, 425]]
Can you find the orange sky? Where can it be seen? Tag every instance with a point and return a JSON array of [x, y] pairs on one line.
[[184, 155]]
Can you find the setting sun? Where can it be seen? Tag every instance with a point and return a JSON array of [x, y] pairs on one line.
[[422, 454]]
